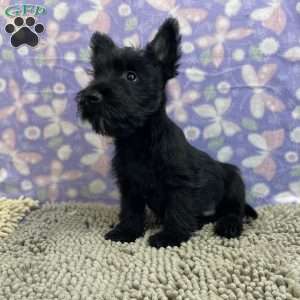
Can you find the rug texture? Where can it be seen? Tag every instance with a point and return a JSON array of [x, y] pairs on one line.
[[59, 252], [12, 211]]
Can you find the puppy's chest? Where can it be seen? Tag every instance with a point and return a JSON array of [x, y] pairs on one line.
[[141, 172], [146, 180]]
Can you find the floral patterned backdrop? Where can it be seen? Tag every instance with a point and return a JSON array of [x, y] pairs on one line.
[[237, 95]]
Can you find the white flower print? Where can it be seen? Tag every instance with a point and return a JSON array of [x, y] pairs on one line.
[[215, 114]]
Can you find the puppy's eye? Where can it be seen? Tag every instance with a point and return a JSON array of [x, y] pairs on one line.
[[131, 76]]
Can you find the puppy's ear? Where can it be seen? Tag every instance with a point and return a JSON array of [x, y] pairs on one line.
[[100, 44], [165, 47]]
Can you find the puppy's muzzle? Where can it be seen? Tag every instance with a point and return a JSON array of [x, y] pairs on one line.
[[92, 98]]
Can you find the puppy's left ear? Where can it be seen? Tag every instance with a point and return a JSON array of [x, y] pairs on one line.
[[165, 47]]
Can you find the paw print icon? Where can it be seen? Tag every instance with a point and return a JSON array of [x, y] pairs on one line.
[[24, 31]]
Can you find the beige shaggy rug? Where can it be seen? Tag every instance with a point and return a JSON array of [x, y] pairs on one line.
[[12, 211], [59, 252]]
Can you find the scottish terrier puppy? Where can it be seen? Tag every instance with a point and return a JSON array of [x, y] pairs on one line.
[[154, 164]]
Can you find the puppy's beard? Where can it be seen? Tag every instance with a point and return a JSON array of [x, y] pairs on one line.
[[99, 126]]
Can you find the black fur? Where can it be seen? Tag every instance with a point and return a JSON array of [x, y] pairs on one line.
[[154, 164]]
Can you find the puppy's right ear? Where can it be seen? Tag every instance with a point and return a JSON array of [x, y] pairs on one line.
[[100, 44]]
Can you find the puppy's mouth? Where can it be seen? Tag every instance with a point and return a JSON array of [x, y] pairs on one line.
[[106, 119], [99, 126], [93, 117]]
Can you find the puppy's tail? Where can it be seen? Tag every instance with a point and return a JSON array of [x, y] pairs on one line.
[[235, 191]]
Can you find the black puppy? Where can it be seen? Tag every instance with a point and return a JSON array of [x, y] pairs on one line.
[[153, 163]]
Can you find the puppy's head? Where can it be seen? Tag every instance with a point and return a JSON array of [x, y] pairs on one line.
[[128, 84]]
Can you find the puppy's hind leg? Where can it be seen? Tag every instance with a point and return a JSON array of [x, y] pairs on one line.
[[231, 210]]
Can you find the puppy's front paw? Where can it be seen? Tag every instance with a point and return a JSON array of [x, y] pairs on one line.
[[119, 234], [229, 227], [162, 239]]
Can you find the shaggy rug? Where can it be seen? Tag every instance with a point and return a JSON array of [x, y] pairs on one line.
[[12, 211], [59, 252]]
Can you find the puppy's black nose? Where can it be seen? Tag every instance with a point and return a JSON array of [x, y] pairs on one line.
[[94, 98]]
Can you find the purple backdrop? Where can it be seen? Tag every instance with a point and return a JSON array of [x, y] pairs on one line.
[[237, 95]]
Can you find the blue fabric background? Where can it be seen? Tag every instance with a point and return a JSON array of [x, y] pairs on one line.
[[237, 95]]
